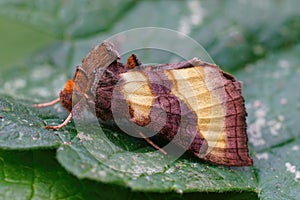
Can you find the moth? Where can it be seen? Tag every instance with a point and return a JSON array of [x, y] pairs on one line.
[[192, 103]]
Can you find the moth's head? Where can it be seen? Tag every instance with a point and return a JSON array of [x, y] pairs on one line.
[[66, 95]]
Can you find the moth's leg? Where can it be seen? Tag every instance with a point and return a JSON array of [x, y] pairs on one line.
[[50, 103], [151, 143], [76, 110], [57, 127]]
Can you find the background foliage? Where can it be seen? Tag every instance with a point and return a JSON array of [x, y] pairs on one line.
[[42, 42]]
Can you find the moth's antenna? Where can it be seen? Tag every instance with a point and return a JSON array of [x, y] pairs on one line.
[[50, 103]]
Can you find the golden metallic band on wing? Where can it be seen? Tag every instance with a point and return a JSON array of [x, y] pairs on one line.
[[137, 92], [191, 85]]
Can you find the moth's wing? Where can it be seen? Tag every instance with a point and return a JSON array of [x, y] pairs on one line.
[[201, 103], [98, 59], [134, 91], [235, 150], [215, 97], [179, 65]]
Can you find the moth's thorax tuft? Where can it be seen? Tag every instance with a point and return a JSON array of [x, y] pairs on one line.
[[66, 95]]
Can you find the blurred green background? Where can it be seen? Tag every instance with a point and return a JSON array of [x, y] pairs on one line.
[[19, 40], [42, 41]]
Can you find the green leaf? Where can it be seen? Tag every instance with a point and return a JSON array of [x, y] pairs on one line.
[[113, 157], [240, 32], [28, 175], [22, 128], [273, 107], [66, 19], [258, 41]]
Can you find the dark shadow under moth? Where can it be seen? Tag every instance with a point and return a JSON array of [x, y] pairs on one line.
[[192, 103]]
